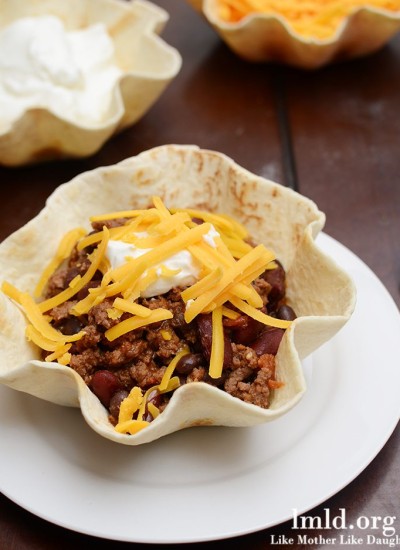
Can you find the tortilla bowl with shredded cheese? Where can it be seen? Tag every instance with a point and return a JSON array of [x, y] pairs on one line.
[[305, 34], [184, 177]]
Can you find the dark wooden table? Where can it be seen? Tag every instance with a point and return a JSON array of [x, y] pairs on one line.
[[333, 135]]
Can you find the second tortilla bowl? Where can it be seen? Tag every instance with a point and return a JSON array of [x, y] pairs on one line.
[[183, 176], [45, 130], [269, 37]]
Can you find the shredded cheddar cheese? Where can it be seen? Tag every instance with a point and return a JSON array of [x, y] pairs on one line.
[[60, 354], [232, 277], [310, 18], [132, 307], [131, 426], [229, 313], [170, 369], [136, 321], [69, 293], [153, 410], [11, 291], [136, 402], [130, 404], [217, 347], [259, 315], [63, 252], [39, 322], [226, 264]]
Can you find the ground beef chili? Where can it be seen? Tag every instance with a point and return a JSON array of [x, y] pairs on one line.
[[140, 357]]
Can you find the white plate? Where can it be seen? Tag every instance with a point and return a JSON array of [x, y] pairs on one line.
[[211, 483]]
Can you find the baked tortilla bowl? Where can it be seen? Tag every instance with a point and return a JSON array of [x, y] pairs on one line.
[[259, 37], [322, 294], [147, 62]]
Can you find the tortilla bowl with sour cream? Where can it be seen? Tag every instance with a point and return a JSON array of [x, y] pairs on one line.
[[321, 293]]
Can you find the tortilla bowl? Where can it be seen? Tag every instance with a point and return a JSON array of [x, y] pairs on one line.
[[322, 294], [148, 64], [261, 37]]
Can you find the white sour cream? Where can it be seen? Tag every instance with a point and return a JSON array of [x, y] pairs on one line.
[[70, 73], [118, 253], [209, 237]]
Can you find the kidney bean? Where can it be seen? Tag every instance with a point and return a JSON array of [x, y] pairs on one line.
[[219, 382], [188, 362], [104, 384], [268, 341], [115, 402], [70, 325], [85, 290], [204, 326], [228, 354], [156, 399], [235, 323], [277, 279], [286, 313], [247, 331]]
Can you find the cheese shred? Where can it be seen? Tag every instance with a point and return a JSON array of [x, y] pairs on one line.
[[63, 252], [318, 19], [217, 347], [170, 369]]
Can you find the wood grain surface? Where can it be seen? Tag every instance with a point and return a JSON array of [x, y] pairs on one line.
[[332, 134]]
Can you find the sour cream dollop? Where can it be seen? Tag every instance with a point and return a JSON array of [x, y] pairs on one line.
[[70, 73], [119, 252]]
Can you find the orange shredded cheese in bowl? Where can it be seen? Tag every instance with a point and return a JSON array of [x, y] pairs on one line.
[[309, 18]]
